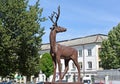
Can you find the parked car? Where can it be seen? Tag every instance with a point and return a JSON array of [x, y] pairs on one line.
[[9, 82], [3, 82], [6, 82], [87, 80], [62, 81], [40, 83]]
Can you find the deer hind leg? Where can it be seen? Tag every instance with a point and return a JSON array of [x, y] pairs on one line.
[[78, 68], [66, 67], [54, 74]]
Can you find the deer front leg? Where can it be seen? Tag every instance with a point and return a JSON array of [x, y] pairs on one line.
[[59, 68], [54, 74]]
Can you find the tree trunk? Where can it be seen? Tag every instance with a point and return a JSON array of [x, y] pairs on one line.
[[28, 80], [34, 80], [46, 79]]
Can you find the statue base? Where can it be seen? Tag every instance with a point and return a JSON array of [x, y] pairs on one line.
[[62, 83]]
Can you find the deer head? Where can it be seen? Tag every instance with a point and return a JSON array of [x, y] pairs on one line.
[[58, 29], [55, 27], [56, 15]]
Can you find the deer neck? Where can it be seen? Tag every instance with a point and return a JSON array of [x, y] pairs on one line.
[[53, 40]]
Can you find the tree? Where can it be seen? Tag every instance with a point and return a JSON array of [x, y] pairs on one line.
[[20, 36], [7, 44], [110, 52], [46, 65]]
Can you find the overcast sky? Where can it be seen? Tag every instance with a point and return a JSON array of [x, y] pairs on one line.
[[81, 17]]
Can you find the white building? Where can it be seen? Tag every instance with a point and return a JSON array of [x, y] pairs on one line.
[[88, 55]]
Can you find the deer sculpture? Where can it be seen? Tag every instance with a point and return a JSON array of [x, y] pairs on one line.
[[58, 51]]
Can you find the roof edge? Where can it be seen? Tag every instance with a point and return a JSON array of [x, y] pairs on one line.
[[79, 38]]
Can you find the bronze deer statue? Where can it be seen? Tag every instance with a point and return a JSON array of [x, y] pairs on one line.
[[58, 51]]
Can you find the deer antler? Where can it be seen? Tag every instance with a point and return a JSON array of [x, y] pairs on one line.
[[56, 16]]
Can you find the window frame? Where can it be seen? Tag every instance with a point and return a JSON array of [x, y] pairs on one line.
[[90, 65], [81, 65], [89, 51], [80, 52]]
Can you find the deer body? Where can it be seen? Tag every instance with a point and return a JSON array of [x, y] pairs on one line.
[[66, 52], [58, 51]]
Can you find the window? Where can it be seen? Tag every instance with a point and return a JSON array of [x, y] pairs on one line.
[[89, 52], [73, 65], [80, 53], [89, 65], [100, 63], [61, 66], [80, 63]]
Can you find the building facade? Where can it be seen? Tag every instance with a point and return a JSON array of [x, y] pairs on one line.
[[88, 55]]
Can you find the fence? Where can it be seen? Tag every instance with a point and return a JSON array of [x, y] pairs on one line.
[[113, 75]]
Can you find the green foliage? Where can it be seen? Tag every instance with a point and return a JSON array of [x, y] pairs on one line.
[[46, 64], [20, 37], [110, 52]]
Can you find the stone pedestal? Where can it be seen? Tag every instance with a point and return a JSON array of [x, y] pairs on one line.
[[62, 83]]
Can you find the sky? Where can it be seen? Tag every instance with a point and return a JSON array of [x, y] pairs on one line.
[[80, 17]]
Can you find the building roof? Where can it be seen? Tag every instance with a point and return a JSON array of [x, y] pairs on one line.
[[79, 41]]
